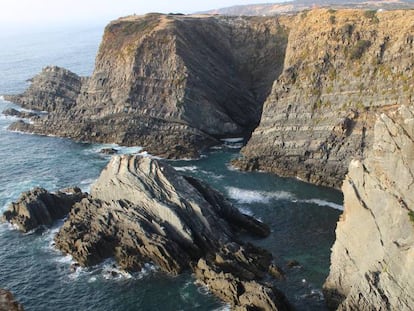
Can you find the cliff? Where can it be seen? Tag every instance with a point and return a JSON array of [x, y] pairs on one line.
[[173, 84], [373, 257], [341, 67]]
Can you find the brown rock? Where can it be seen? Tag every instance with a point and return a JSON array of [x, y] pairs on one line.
[[39, 207], [8, 303]]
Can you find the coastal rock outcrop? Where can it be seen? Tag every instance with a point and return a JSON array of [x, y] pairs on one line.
[[20, 114], [173, 84], [372, 260], [8, 303], [341, 68], [141, 210], [39, 207], [54, 89]]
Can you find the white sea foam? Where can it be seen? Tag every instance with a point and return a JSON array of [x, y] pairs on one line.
[[192, 168], [245, 211], [324, 203], [255, 196], [233, 140]]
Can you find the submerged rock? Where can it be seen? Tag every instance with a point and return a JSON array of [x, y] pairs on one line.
[[109, 151], [8, 303], [39, 207], [372, 260], [16, 113], [141, 210]]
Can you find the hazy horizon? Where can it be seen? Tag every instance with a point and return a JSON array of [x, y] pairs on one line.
[[18, 14]]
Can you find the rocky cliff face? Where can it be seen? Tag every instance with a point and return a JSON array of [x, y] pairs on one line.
[[173, 84], [341, 67], [142, 210], [373, 257]]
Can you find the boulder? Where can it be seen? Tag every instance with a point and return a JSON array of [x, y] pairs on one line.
[[8, 303], [39, 207], [109, 151]]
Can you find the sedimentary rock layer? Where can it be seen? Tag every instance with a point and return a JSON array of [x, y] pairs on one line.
[[39, 207], [173, 84], [141, 210], [341, 67], [372, 259]]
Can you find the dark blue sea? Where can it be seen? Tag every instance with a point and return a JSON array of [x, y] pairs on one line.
[[302, 217]]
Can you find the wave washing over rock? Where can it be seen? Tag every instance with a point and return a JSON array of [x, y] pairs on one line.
[[372, 259], [141, 211]]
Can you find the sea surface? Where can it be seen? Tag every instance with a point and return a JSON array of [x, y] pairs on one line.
[[302, 217]]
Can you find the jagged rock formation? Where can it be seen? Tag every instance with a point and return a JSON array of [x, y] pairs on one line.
[[173, 84], [141, 210], [55, 89], [341, 67], [372, 259], [8, 303], [20, 114], [39, 207]]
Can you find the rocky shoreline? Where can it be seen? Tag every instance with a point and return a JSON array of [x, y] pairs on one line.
[[141, 210]]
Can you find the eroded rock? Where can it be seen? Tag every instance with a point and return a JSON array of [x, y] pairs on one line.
[[39, 207], [372, 260], [8, 303], [141, 210]]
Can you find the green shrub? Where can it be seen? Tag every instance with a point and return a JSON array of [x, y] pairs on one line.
[[332, 19], [359, 49], [411, 215], [372, 15], [347, 30]]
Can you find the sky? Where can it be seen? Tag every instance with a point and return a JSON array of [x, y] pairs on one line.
[[18, 13]]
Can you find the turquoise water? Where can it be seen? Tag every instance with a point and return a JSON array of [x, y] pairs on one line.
[[302, 217]]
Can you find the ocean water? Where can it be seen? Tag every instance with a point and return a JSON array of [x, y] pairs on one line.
[[302, 217]]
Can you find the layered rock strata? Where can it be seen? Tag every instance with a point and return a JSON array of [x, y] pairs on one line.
[[39, 207], [141, 210], [373, 257], [341, 67], [8, 303], [173, 84]]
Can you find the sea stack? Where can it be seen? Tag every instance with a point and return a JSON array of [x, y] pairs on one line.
[[372, 259], [141, 210]]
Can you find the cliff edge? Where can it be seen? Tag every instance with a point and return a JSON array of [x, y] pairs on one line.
[[373, 257], [341, 68], [173, 84]]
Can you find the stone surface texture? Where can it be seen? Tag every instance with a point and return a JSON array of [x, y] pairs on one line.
[[372, 259], [173, 84], [39, 207], [141, 210], [341, 68], [8, 303]]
